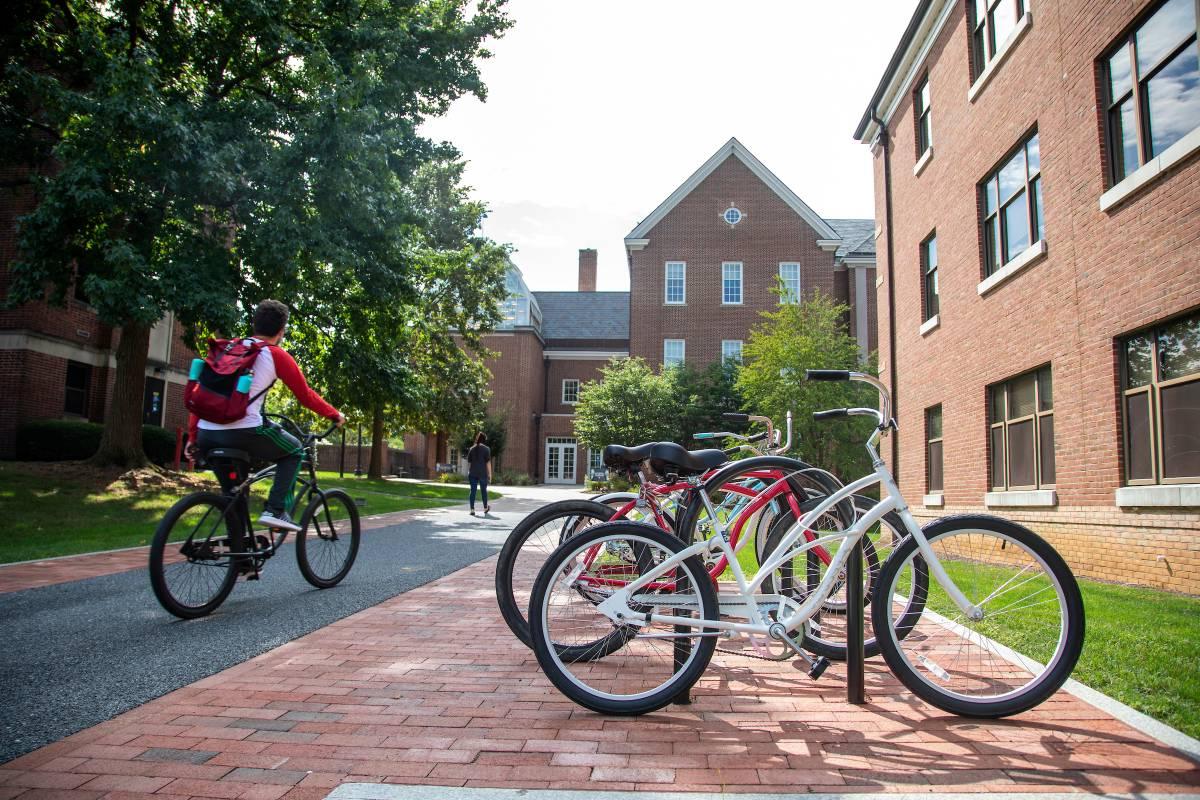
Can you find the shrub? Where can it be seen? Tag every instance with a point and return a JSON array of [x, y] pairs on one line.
[[451, 477], [511, 477], [613, 483], [74, 440]]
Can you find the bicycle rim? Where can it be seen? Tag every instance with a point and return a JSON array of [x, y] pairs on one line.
[[1009, 653], [327, 546], [656, 659], [197, 569]]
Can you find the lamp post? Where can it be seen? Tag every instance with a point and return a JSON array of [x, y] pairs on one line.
[[358, 454]]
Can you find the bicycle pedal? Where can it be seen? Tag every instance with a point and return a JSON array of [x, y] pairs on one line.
[[818, 668]]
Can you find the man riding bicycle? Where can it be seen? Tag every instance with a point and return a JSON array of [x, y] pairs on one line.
[[252, 433]]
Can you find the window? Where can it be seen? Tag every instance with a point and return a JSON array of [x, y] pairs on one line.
[[673, 350], [1161, 403], [1022, 432], [731, 350], [1012, 206], [731, 283], [929, 277], [933, 449], [596, 462], [991, 23], [789, 276], [676, 283], [1153, 87], [732, 215], [921, 114], [570, 391], [79, 378]]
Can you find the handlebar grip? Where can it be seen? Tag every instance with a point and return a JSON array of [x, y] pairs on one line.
[[832, 413], [827, 375], [703, 436], [758, 437], [736, 417]]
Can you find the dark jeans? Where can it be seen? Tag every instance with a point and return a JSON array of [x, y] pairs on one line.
[[482, 484], [267, 443]]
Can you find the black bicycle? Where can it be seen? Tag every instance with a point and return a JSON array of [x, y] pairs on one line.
[[206, 539]]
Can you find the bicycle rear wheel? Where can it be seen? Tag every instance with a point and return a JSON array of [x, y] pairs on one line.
[[658, 661], [527, 548], [192, 561], [328, 542], [1017, 654]]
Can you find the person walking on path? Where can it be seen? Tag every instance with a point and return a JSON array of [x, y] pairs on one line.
[[479, 470]]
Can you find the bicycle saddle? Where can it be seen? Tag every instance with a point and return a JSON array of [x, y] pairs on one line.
[[618, 457], [226, 454], [668, 457]]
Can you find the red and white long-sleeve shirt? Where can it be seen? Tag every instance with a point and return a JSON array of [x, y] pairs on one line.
[[272, 362]]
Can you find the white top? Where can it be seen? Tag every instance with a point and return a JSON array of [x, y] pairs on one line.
[[264, 375]]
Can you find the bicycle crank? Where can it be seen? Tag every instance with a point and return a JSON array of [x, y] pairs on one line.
[[816, 668]]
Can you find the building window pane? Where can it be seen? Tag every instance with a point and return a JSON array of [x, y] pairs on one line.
[[676, 283], [731, 350], [1139, 457], [731, 283], [921, 106], [998, 457], [929, 264], [1154, 101], [1139, 361], [789, 276], [673, 352], [1179, 348], [1046, 448], [1181, 429], [993, 21], [570, 390], [933, 452], [1022, 431], [79, 377], [1013, 206]]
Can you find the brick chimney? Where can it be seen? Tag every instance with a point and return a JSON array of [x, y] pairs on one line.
[[587, 270]]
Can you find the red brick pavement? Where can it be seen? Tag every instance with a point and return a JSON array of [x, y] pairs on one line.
[[430, 688]]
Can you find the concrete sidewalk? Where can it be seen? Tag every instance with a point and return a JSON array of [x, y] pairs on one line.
[[430, 688]]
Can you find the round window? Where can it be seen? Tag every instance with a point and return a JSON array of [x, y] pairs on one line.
[[733, 216]]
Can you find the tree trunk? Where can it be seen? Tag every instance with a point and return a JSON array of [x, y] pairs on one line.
[[378, 443], [121, 442]]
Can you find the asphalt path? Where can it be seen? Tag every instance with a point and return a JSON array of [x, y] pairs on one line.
[[75, 654]]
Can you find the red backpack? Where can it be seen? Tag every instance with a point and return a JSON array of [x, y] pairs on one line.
[[219, 385]]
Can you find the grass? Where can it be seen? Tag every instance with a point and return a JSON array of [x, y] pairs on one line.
[[48, 514]]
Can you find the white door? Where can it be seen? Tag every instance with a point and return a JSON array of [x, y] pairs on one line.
[[560, 460]]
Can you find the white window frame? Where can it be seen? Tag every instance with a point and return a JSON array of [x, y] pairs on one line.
[[740, 283], [784, 297], [682, 352], [565, 382], [726, 356], [667, 283]]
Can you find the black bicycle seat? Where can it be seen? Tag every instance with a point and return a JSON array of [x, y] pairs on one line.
[[668, 457], [618, 457], [226, 454]]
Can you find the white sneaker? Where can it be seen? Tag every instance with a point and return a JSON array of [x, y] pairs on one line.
[[280, 520]]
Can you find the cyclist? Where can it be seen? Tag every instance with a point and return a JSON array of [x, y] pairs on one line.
[[257, 436]]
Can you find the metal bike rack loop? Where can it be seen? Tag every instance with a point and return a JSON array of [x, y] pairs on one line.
[[855, 689]]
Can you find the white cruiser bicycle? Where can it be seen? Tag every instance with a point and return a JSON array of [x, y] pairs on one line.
[[974, 614]]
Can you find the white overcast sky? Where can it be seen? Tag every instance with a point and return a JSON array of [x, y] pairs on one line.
[[597, 111]]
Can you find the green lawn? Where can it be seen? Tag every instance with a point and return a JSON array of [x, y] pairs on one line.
[[54, 515]]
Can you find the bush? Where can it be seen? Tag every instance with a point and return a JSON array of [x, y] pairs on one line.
[[75, 440], [511, 477], [615, 482], [451, 477]]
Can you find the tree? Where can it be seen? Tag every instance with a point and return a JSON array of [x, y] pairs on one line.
[[629, 405], [495, 428], [704, 395], [195, 157], [796, 337]]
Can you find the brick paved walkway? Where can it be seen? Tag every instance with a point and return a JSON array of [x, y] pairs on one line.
[[382, 696]]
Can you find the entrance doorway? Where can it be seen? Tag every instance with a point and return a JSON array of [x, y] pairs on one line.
[[560, 460], [152, 402]]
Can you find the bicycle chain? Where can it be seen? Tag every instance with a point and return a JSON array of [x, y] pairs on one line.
[[785, 657]]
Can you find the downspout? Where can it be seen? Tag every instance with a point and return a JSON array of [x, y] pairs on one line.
[[891, 284]]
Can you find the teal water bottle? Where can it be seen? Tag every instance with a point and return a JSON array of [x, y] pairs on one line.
[[197, 368], [243, 384]]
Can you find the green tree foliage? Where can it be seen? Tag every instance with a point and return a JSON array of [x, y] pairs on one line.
[[495, 428], [703, 396], [629, 405], [796, 337], [194, 157]]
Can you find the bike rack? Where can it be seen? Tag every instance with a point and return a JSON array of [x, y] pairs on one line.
[[855, 689]]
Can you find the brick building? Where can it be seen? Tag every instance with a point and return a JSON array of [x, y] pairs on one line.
[[58, 362], [702, 267], [1038, 192]]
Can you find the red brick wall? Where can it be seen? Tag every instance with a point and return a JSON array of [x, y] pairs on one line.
[[693, 232], [518, 388], [1104, 275]]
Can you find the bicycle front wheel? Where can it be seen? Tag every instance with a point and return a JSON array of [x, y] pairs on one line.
[[328, 542], [1021, 649], [191, 556], [658, 661]]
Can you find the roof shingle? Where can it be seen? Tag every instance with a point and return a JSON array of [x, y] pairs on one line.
[[584, 315]]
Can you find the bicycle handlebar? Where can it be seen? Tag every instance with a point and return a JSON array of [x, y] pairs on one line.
[[884, 413], [305, 435], [827, 374]]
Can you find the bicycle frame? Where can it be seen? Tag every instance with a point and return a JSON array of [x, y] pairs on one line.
[[617, 606]]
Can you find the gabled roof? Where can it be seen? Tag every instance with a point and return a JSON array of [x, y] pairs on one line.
[[584, 315], [858, 237], [738, 150]]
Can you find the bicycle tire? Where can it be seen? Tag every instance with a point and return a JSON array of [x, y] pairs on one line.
[[572, 513], [549, 652], [323, 528], [221, 583], [1004, 663]]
